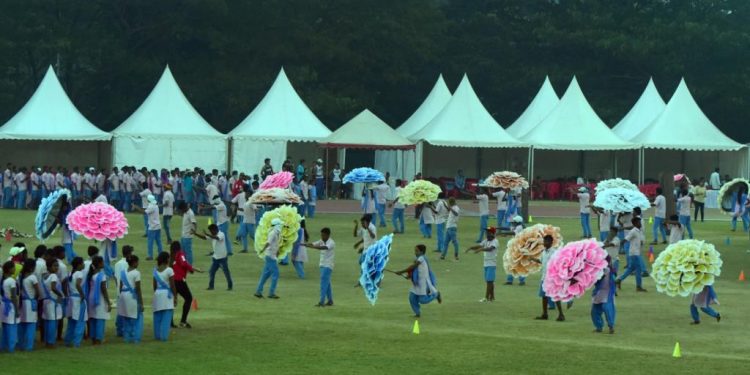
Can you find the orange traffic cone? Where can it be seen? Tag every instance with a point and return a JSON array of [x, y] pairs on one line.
[[742, 275], [195, 304], [651, 257]]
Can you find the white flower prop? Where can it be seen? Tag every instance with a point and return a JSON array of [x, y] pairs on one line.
[[615, 183], [621, 200]]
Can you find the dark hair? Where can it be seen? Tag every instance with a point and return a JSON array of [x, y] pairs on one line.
[[659, 190], [8, 267], [367, 218], [127, 251], [92, 250], [59, 251], [40, 251], [176, 246], [27, 269], [76, 262], [549, 237], [132, 260], [162, 258], [326, 230], [94, 261], [422, 248], [213, 227], [19, 244], [51, 253], [635, 219], [674, 217], [51, 263]]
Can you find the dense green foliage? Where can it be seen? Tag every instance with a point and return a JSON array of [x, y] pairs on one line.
[[346, 55]]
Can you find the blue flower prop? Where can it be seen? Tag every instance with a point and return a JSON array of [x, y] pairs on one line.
[[363, 175], [47, 212], [373, 265], [621, 200]]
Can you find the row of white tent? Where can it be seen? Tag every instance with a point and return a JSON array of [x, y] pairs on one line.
[[166, 131]]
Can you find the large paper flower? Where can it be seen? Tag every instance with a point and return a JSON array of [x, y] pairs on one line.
[[506, 179], [685, 267], [621, 200], [681, 177], [363, 175], [275, 195], [574, 269], [728, 193], [375, 260], [524, 251], [615, 183], [98, 221], [419, 191], [277, 180], [289, 230], [47, 213]]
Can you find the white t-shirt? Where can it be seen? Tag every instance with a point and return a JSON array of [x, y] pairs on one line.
[[336, 175], [28, 315], [326, 256], [7, 178], [168, 203], [423, 283], [221, 213], [367, 241], [442, 212], [583, 201], [660, 207], [162, 299], [114, 182], [74, 303], [428, 217], [8, 285], [240, 199], [452, 221], [484, 204], [127, 303], [614, 249], [636, 238], [604, 223], [155, 184], [502, 204], [99, 311], [248, 213], [52, 310], [62, 270], [490, 257], [684, 205], [546, 255], [144, 197], [121, 265], [211, 191], [219, 246], [381, 193], [21, 181], [188, 223], [40, 269], [398, 203], [274, 241], [676, 233], [153, 217]]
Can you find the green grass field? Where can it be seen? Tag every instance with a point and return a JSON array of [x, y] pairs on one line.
[[236, 333]]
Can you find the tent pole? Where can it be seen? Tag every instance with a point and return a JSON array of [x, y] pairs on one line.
[[530, 171]]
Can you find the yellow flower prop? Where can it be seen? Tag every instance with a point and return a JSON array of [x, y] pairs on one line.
[[419, 191], [525, 249], [289, 231], [506, 179], [685, 267]]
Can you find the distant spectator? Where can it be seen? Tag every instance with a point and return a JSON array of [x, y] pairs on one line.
[[715, 180]]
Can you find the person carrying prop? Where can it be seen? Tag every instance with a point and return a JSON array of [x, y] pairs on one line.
[[489, 249], [368, 233], [546, 255], [424, 285], [603, 300], [636, 238], [516, 228], [703, 301], [271, 267]]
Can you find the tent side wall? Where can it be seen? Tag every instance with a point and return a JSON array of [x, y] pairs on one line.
[[57, 153], [248, 154], [170, 153]]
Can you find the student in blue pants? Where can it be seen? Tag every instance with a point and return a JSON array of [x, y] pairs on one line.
[[397, 216], [424, 285], [77, 290], [603, 301], [163, 301], [53, 301], [9, 294], [28, 309], [271, 268], [703, 301], [326, 247]]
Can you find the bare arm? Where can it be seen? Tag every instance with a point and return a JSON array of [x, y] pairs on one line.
[[412, 267]]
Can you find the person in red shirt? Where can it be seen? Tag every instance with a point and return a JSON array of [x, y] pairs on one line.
[[239, 185], [181, 268]]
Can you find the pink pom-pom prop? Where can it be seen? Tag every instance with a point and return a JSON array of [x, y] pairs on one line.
[[574, 269], [277, 180], [98, 221]]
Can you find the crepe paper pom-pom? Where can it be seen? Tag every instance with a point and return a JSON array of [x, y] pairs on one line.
[[289, 230], [419, 191], [621, 200], [685, 267], [727, 197], [363, 175], [48, 210], [615, 183], [275, 196], [277, 180], [524, 251], [505, 180], [573, 269], [681, 177], [375, 258], [98, 221]]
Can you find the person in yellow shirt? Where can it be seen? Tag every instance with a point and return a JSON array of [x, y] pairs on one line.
[[699, 198]]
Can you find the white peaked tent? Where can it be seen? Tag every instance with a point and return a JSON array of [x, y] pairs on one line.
[[648, 107], [393, 161], [683, 126], [47, 128], [367, 131], [167, 132], [280, 117], [542, 104], [464, 122]]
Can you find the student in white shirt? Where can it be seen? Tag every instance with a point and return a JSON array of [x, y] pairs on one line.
[[21, 186], [326, 247], [154, 226], [144, 203], [299, 250], [98, 300], [167, 202], [222, 219], [120, 266], [188, 227], [30, 291], [335, 182], [546, 255], [115, 186], [238, 203], [441, 216], [676, 231], [612, 246], [451, 231], [660, 214], [8, 187], [271, 268], [366, 230], [684, 202], [397, 216], [636, 238], [583, 201], [426, 219], [247, 224], [219, 256], [312, 198], [10, 308], [381, 195], [605, 218], [484, 213], [130, 301], [489, 250], [164, 297], [502, 206], [52, 298], [423, 289]]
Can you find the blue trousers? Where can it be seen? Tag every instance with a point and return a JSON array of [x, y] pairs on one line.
[[634, 266], [154, 236], [187, 247], [745, 221], [451, 236], [270, 269], [603, 235], [115, 199], [215, 265], [36, 198], [501, 219], [97, 328], [608, 309], [521, 280], [427, 230], [440, 236], [325, 285], [166, 220], [301, 209], [127, 201], [87, 194], [132, 329], [69, 253], [162, 322], [9, 338], [483, 219], [246, 230], [50, 331], [381, 213], [586, 225], [320, 188], [708, 310], [21, 199], [145, 223], [397, 219], [685, 221], [311, 210], [300, 268], [657, 228], [119, 325], [224, 228], [415, 301], [26, 333], [74, 332], [240, 220]]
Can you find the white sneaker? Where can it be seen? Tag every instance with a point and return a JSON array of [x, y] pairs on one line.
[[483, 300]]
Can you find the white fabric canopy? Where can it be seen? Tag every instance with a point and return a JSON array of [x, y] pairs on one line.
[[683, 126], [573, 125], [167, 132], [50, 115], [280, 117], [464, 122], [366, 130], [648, 107], [544, 102]]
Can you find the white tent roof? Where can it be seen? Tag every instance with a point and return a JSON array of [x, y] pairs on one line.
[[281, 115], [573, 125], [366, 130], [464, 122], [431, 106], [166, 113], [50, 115], [648, 107], [683, 126], [544, 102]]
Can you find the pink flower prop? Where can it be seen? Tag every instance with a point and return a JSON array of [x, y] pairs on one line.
[[277, 180], [680, 177], [98, 221], [574, 269]]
